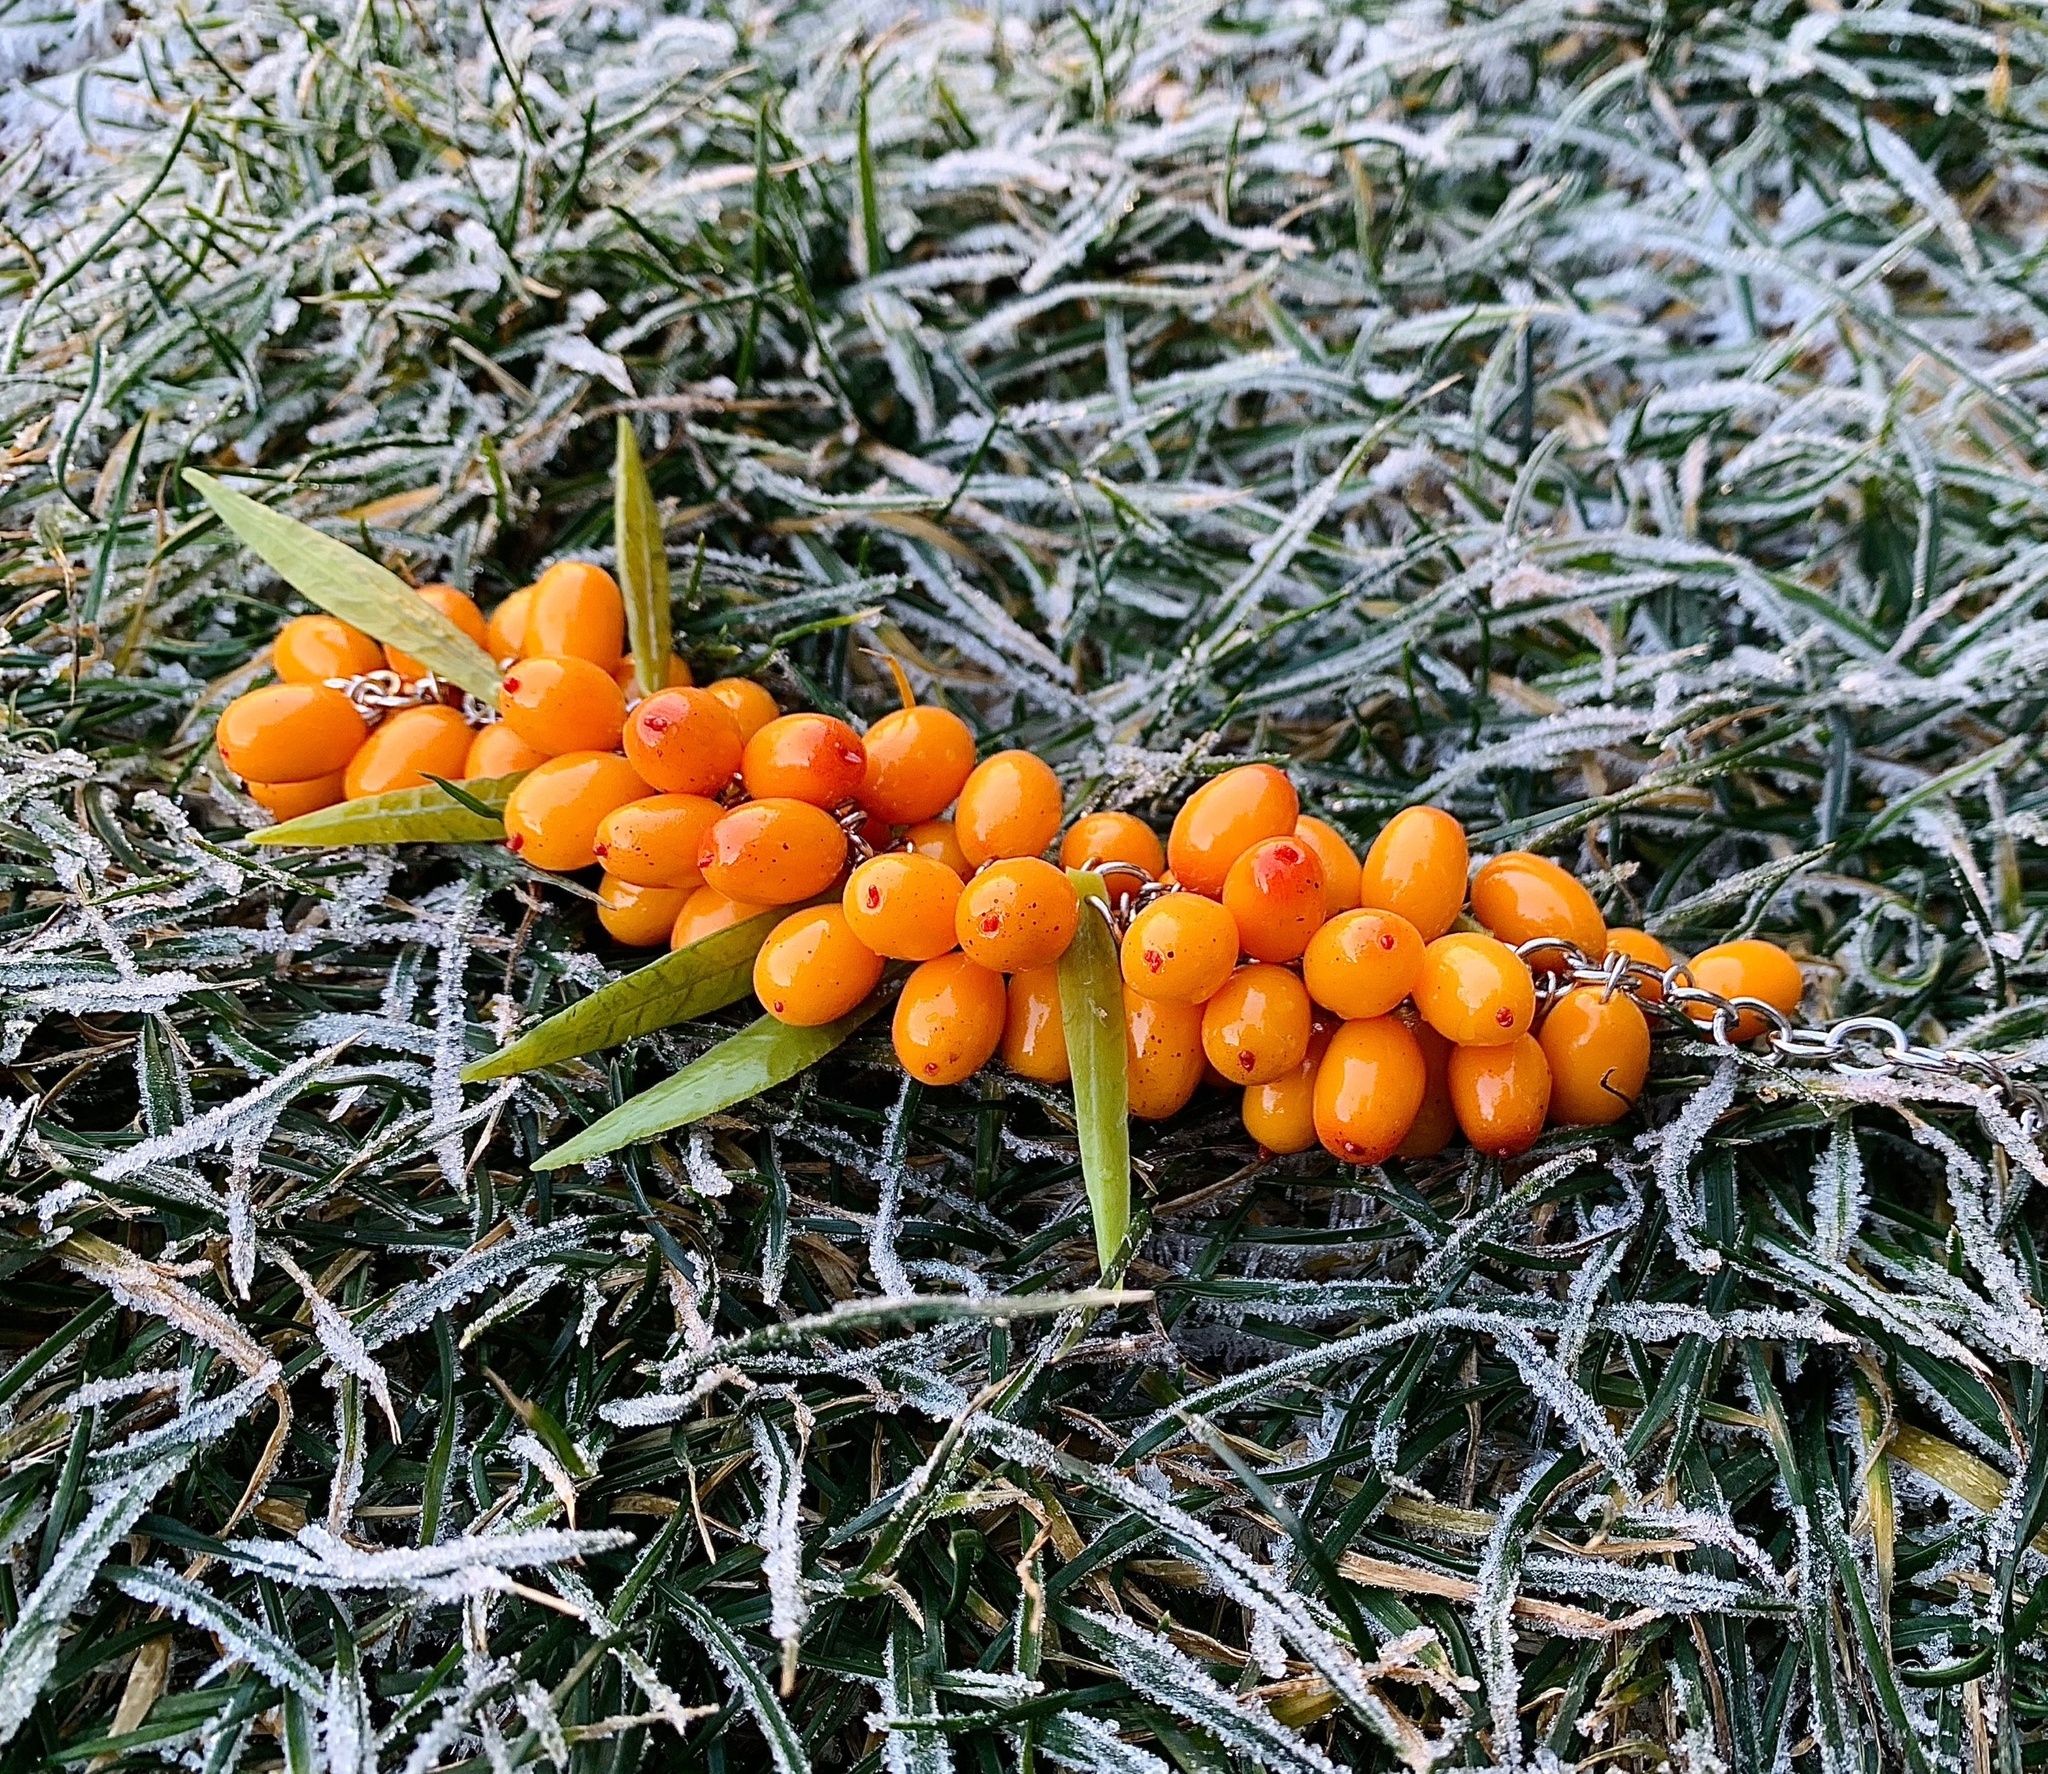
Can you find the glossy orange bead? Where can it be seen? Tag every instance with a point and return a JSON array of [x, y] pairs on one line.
[[1500, 1095], [289, 733], [937, 839], [1275, 892], [1748, 969], [576, 612], [1034, 1033], [1598, 1049], [813, 969], [1362, 963], [1017, 913], [288, 800], [1519, 896], [1180, 948], [1368, 1089], [312, 649], [1257, 1026], [628, 676], [949, 1020], [505, 632], [1281, 1113], [654, 842], [1416, 867], [804, 757], [901, 905], [561, 704], [918, 760], [553, 813], [1163, 1058], [460, 609], [1223, 819], [1436, 1122], [637, 915], [1475, 991], [1341, 867], [1009, 806], [1113, 837], [749, 704], [498, 751], [407, 748], [706, 912], [1640, 945], [684, 741], [773, 852]]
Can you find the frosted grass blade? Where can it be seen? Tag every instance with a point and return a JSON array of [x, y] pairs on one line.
[[643, 563], [429, 815], [1092, 1013]]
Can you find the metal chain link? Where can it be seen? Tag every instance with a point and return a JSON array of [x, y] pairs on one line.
[[380, 693]]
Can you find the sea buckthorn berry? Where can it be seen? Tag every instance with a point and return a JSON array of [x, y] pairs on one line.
[[1475, 991], [1113, 837], [289, 733], [1180, 948], [749, 704], [1362, 963], [553, 813], [773, 852], [312, 649], [505, 632], [1163, 1058], [685, 742], [901, 905], [1257, 1027], [813, 969], [949, 1020], [1009, 806], [654, 842], [498, 751], [1640, 945], [1747, 969], [627, 676], [1281, 1113], [937, 839], [576, 612], [409, 747], [1519, 896], [1416, 867], [1598, 1048], [706, 912], [1340, 863], [1436, 1122], [1368, 1089], [804, 757], [1275, 892], [460, 609], [1500, 1095], [636, 914], [918, 760], [1224, 818], [1034, 1032], [1017, 913], [562, 704], [288, 800]]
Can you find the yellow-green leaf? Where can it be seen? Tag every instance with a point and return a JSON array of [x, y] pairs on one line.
[[643, 563], [706, 976], [353, 587], [1092, 1014], [429, 815]]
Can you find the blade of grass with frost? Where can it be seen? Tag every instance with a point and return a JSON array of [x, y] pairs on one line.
[[1092, 1018], [425, 815], [643, 562]]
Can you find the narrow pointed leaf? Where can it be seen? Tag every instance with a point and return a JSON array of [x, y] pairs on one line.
[[428, 815], [1092, 1014], [350, 585], [643, 563]]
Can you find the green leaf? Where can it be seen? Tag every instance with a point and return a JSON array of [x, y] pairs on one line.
[[706, 976], [428, 815], [762, 1055], [1092, 1014], [350, 585], [643, 563]]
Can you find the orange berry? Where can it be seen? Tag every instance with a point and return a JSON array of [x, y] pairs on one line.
[[407, 748], [1180, 949], [1436, 1121], [684, 741], [1362, 963], [505, 632], [1640, 945], [1747, 969], [749, 704], [1340, 863], [1368, 1089], [901, 905], [312, 649], [1416, 867], [813, 969], [552, 816], [1017, 913], [773, 852], [706, 912], [289, 733], [628, 676], [805, 757], [287, 800], [918, 759], [1275, 892], [949, 1020], [1500, 1095], [561, 704], [937, 839], [1281, 1113], [1257, 1027], [1599, 1053], [498, 751], [1475, 991], [1009, 806], [460, 609], [1113, 837], [576, 612], [1520, 896], [636, 914], [654, 842], [1034, 1033], [1163, 1058], [1224, 818]]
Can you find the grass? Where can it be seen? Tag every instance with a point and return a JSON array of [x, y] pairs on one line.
[[1621, 424]]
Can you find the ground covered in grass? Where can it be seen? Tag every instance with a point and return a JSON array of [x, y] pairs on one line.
[[1623, 424]]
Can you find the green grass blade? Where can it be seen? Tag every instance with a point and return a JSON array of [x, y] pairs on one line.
[[643, 563], [428, 815], [1092, 1013]]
